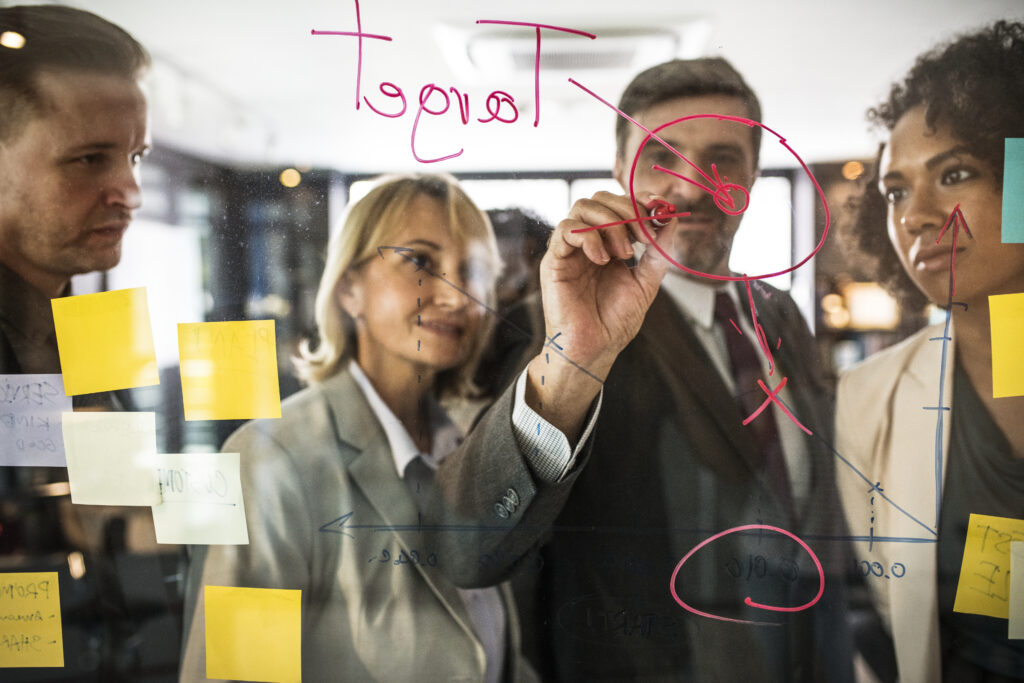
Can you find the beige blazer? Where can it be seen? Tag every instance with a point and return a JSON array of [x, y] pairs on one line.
[[885, 432], [328, 514]]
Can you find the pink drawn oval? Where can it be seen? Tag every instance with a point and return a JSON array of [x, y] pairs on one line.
[[747, 600]]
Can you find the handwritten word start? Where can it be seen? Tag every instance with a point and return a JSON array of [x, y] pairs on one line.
[[436, 100]]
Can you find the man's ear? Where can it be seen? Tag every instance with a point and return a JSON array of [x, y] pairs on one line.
[[620, 173], [350, 296]]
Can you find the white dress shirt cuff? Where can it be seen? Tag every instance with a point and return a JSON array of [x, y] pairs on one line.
[[545, 447]]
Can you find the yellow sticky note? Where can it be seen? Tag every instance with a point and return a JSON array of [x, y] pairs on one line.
[[111, 458], [105, 341], [229, 370], [984, 586], [1006, 315], [201, 497], [1016, 590], [30, 630], [253, 634]]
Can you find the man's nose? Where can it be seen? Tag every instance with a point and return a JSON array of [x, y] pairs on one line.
[[123, 188]]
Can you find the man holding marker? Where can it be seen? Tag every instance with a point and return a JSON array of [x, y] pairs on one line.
[[676, 474]]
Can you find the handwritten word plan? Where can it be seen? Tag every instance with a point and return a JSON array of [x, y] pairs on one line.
[[1006, 312], [984, 586], [229, 370], [30, 626], [105, 341], [253, 634], [30, 415], [111, 458], [201, 497]]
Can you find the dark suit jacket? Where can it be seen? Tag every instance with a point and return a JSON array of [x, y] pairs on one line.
[[670, 465]]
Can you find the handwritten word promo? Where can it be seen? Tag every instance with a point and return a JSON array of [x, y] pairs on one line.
[[436, 100], [30, 623]]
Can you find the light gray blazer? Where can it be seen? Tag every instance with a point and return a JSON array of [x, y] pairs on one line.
[[884, 431], [328, 514]]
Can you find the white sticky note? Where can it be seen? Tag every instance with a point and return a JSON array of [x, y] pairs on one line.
[[1016, 589], [111, 458], [30, 410], [202, 499]]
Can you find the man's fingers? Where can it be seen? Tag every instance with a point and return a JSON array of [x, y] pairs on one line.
[[568, 239]]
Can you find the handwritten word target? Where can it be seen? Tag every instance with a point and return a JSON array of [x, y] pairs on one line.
[[437, 100]]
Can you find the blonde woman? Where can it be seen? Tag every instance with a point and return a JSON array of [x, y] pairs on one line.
[[334, 489]]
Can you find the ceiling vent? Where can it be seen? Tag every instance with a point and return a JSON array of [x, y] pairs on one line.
[[499, 53]]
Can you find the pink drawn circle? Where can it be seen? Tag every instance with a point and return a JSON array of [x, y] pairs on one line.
[[748, 601], [723, 200]]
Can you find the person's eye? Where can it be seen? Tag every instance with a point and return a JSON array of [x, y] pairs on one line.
[[661, 156], [725, 160], [421, 261], [88, 159], [956, 175], [893, 194]]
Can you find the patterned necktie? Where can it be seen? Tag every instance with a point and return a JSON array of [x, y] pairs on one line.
[[746, 371]]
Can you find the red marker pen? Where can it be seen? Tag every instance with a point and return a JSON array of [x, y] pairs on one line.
[[660, 211]]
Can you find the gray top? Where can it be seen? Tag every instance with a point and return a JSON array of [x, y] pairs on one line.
[[982, 477]]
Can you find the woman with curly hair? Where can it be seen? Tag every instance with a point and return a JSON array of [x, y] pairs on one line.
[[921, 472]]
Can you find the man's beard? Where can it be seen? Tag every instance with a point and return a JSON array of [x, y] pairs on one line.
[[701, 249]]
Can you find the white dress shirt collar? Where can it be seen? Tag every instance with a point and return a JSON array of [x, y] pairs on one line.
[[696, 297], [446, 436]]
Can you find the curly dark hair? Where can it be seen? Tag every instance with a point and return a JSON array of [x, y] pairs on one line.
[[973, 84]]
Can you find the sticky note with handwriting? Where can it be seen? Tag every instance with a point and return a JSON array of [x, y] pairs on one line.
[[229, 370], [30, 410], [984, 585], [30, 626], [1013, 191], [111, 458], [201, 497], [1016, 589], [105, 341], [1006, 317], [253, 634]]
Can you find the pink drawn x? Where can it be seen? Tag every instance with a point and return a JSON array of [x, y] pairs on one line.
[[773, 397]]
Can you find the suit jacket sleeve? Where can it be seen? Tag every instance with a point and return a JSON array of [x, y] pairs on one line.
[[491, 510]]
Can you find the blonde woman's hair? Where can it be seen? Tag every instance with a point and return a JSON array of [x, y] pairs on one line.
[[369, 223]]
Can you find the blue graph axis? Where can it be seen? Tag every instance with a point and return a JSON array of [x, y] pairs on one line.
[[552, 344], [875, 486]]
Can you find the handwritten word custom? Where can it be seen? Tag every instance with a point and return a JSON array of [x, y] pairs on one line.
[[201, 483], [436, 100]]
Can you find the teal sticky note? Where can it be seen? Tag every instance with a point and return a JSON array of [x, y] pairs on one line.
[[1013, 191]]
